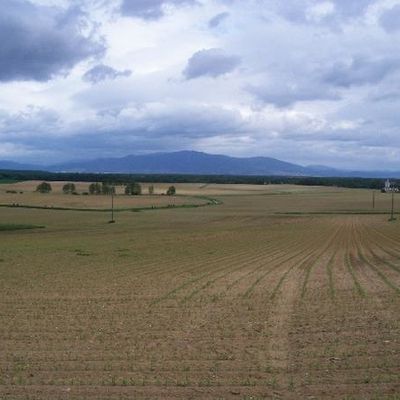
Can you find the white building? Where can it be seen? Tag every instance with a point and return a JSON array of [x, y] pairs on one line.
[[389, 187]]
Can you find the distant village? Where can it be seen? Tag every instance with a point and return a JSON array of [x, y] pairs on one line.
[[389, 187]]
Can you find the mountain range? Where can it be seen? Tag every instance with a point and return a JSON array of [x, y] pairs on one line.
[[197, 163]]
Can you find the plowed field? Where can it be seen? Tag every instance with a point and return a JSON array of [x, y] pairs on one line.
[[239, 300]]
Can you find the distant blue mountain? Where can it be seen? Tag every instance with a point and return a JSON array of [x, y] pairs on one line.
[[185, 162], [11, 165], [197, 163]]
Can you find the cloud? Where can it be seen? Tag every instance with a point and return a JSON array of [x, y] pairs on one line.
[[390, 19], [37, 42], [287, 94], [317, 11], [27, 121], [103, 72], [352, 8], [210, 62], [217, 20], [313, 80], [320, 11], [361, 71], [149, 9], [191, 121], [130, 130]]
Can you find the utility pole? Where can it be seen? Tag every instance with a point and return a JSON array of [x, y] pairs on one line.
[[392, 218], [112, 206], [373, 199]]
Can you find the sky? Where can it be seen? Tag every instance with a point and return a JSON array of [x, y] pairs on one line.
[[312, 82]]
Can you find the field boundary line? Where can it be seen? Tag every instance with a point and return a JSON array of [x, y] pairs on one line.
[[209, 202]]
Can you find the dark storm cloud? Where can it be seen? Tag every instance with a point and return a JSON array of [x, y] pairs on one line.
[[39, 42], [103, 72], [31, 116], [361, 71], [190, 122], [149, 9], [217, 20], [390, 19], [210, 62], [142, 130], [110, 143]]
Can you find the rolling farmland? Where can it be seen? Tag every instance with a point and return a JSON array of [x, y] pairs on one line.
[[280, 292]]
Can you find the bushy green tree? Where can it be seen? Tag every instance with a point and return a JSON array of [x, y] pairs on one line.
[[133, 189], [107, 188], [95, 188], [69, 188], [171, 191], [43, 187]]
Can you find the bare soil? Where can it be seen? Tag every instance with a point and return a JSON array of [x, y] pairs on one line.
[[225, 302]]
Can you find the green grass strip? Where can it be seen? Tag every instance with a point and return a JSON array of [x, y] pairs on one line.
[[339, 212], [209, 202], [7, 181], [18, 227]]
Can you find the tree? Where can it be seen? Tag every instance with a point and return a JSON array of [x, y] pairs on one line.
[[151, 189], [171, 191], [43, 187], [133, 189], [95, 188], [107, 188], [69, 188]]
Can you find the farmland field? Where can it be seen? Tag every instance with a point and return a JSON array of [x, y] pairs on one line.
[[280, 292], [24, 194]]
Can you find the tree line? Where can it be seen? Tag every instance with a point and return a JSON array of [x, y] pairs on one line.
[[367, 183], [97, 188]]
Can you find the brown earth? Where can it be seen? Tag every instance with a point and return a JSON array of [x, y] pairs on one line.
[[222, 302]]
